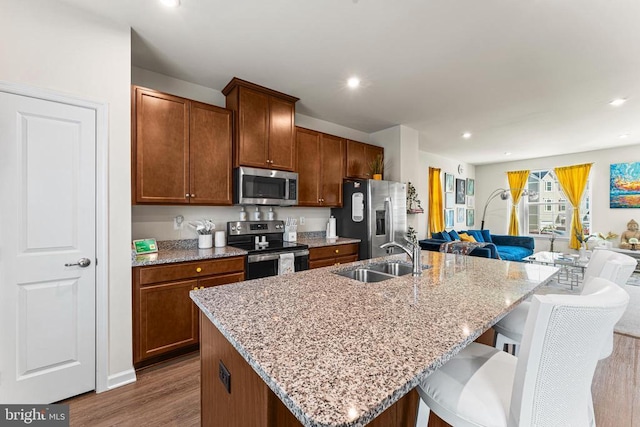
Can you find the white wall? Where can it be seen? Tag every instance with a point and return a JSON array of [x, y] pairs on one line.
[[449, 166], [157, 221], [604, 219], [51, 45]]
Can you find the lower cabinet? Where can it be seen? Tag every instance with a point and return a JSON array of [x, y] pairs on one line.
[[333, 255], [165, 320]]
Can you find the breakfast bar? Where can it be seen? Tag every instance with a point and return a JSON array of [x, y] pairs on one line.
[[316, 348]]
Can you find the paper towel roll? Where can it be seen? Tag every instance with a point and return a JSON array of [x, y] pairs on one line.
[[220, 239], [332, 227]]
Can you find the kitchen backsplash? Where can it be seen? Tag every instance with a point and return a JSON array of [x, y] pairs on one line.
[[158, 221]]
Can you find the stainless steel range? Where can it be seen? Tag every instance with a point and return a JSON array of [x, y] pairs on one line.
[[264, 242]]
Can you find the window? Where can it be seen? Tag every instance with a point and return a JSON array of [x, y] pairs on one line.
[[553, 212]]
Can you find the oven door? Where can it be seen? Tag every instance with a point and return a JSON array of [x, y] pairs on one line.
[[265, 265]]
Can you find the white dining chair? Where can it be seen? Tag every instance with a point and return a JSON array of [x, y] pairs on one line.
[[548, 384], [606, 264]]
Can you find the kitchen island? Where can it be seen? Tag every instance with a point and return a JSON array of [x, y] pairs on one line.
[[318, 349]]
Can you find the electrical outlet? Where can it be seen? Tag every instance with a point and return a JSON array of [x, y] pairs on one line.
[[178, 222], [301, 220], [225, 376]]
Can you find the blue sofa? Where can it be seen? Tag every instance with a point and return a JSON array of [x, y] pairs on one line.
[[511, 248]]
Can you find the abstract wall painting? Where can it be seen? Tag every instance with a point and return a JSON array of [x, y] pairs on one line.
[[624, 185]]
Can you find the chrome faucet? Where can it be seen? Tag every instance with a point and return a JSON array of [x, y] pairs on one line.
[[413, 250]]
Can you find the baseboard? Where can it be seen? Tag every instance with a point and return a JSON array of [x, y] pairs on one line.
[[121, 378]]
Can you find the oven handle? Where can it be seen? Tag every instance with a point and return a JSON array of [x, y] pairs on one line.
[[271, 257]]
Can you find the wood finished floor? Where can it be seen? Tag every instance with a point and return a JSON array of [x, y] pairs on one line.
[[169, 394]]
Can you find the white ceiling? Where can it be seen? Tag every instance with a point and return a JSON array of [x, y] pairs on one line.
[[531, 77]]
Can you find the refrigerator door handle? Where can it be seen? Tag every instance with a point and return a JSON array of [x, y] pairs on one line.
[[389, 218]]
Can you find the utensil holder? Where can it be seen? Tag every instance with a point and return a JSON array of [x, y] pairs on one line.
[[290, 235], [205, 241]]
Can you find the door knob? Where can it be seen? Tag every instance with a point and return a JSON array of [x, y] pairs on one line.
[[82, 262]]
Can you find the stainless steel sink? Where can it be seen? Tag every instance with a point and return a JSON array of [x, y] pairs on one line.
[[365, 275], [393, 267], [379, 271]]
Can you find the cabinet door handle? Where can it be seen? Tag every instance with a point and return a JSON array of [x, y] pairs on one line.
[[198, 270], [193, 195], [337, 251], [195, 289], [201, 287], [186, 195]]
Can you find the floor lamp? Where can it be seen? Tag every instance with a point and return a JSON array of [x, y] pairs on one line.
[[504, 195]]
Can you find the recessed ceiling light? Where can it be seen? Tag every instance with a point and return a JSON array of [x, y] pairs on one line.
[[353, 82], [624, 135], [466, 135], [170, 3], [507, 153], [618, 102]]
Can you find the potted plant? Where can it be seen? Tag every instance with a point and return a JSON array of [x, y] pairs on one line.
[[413, 203], [377, 167]]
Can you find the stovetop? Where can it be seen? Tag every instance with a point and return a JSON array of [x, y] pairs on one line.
[[243, 235], [274, 246]]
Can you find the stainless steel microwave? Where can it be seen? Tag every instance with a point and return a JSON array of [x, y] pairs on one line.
[[253, 186]]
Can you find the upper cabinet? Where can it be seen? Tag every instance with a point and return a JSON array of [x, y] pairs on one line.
[[181, 150], [264, 131], [359, 158], [320, 168]]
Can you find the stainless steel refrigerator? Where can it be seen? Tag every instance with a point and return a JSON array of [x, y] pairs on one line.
[[374, 212]]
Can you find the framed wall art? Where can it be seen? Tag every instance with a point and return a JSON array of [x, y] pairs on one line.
[[471, 201], [460, 191], [449, 200], [624, 185], [471, 186], [460, 215], [448, 218], [448, 183], [471, 217]]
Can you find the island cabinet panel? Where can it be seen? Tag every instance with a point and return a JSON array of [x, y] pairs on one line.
[[181, 150], [264, 131], [320, 168], [333, 255], [165, 320], [250, 401], [359, 158]]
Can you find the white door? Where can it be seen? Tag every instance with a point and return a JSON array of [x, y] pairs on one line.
[[47, 224]]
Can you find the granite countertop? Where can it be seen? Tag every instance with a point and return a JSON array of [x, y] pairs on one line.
[[170, 251], [339, 352], [320, 241]]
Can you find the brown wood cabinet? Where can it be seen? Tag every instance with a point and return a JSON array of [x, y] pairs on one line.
[[181, 150], [320, 168], [264, 132], [165, 320], [359, 158], [333, 255]]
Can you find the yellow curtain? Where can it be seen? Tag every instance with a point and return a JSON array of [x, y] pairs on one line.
[[573, 180], [436, 214], [517, 183]]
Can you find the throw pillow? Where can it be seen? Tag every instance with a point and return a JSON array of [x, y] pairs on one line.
[[476, 235], [466, 238], [487, 236], [454, 235]]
